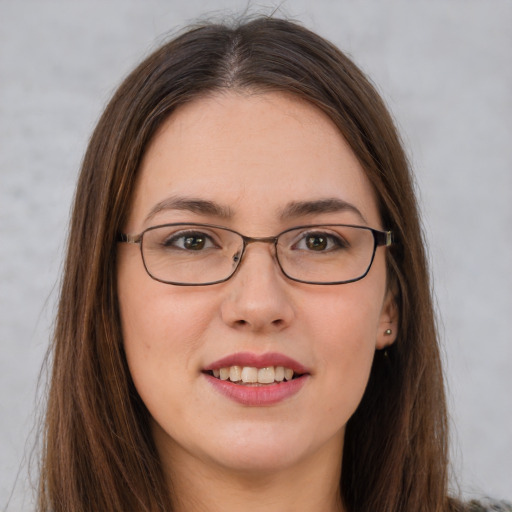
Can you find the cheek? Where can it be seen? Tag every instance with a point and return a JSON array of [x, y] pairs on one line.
[[345, 319], [158, 324], [162, 335], [162, 328], [343, 327]]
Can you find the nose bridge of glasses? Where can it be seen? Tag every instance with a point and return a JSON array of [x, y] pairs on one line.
[[247, 240], [263, 239]]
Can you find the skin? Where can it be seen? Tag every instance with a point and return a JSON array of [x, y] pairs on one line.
[[251, 153]]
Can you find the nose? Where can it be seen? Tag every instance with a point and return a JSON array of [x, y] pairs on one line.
[[258, 297]]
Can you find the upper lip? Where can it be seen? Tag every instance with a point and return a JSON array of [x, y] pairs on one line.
[[257, 361]]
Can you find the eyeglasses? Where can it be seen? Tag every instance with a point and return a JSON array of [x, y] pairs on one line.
[[204, 254]]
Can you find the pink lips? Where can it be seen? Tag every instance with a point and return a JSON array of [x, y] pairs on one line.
[[265, 395]]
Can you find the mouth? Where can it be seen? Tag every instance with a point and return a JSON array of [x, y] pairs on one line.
[[254, 376], [257, 380], [249, 369]]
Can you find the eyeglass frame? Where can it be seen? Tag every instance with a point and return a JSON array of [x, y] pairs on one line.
[[380, 238]]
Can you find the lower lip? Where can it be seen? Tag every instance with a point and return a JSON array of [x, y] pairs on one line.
[[257, 396]]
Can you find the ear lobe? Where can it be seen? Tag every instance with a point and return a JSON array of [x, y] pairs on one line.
[[388, 322]]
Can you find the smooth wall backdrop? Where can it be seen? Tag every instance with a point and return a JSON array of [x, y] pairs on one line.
[[444, 68]]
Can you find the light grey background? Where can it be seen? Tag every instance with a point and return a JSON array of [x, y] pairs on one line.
[[445, 69]]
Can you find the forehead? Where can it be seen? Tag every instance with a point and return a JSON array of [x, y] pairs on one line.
[[253, 154]]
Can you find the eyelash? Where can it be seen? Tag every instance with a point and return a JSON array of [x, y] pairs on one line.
[[337, 241], [170, 241]]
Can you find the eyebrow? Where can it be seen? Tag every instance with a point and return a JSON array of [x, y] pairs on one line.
[[328, 205], [194, 205], [291, 210]]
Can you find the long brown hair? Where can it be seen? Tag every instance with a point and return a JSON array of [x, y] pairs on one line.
[[98, 453]]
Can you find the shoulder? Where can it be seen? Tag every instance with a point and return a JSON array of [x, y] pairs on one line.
[[489, 505]]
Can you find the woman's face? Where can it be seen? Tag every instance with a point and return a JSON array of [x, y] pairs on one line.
[[258, 164]]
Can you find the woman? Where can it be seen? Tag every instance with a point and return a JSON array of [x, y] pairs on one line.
[[245, 318]]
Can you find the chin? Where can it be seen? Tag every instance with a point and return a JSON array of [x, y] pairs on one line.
[[260, 450], [255, 463]]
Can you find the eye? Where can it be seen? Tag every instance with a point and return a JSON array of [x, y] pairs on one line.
[[189, 241], [319, 241]]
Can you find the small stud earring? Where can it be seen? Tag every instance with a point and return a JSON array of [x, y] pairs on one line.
[[388, 332]]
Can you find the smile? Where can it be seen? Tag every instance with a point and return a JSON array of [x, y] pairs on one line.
[[252, 376], [257, 380]]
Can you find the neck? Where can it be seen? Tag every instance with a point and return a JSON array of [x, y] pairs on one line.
[[202, 486]]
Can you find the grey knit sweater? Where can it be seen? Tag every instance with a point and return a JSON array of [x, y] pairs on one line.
[[488, 505]]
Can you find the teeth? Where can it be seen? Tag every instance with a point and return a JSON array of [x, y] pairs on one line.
[[266, 375], [252, 375], [235, 373], [279, 374], [249, 374]]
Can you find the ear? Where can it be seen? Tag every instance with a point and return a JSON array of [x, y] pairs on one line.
[[388, 321]]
